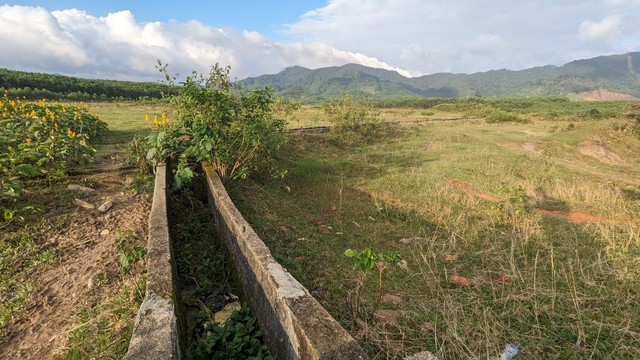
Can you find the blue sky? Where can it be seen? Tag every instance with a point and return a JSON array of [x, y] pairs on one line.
[[266, 17], [122, 39]]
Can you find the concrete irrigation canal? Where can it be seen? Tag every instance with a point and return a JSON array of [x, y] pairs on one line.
[[294, 325]]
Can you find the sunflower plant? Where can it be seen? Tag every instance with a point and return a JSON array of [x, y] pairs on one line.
[[42, 139]]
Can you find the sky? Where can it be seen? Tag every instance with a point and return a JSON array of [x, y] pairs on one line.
[[115, 39]]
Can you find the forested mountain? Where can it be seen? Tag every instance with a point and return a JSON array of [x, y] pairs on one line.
[[615, 76], [615, 73]]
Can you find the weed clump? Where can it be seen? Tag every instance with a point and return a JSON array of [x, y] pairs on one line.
[[355, 119]]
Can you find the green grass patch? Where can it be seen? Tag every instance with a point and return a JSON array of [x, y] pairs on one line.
[[484, 268], [104, 324], [24, 248]]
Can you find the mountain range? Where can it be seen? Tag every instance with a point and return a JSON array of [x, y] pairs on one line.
[[618, 75]]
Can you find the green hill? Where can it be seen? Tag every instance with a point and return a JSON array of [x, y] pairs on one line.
[[615, 73], [50, 86]]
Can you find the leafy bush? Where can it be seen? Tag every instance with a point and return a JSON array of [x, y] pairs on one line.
[[129, 253], [356, 118], [501, 116], [238, 338], [214, 121]]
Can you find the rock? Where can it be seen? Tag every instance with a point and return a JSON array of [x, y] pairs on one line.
[[80, 188], [392, 316], [403, 265], [224, 314], [91, 283], [104, 232], [425, 355], [389, 316], [105, 206], [390, 298], [324, 229], [84, 204]]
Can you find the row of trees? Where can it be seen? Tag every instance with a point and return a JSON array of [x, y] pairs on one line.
[[56, 87]]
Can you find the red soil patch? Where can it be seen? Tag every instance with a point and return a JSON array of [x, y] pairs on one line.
[[577, 218], [472, 191], [605, 95]]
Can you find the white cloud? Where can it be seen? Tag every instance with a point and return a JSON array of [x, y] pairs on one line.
[[412, 37], [118, 46], [470, 35], [607, 30]]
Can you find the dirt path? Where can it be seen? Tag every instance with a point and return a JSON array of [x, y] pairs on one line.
[[571, 216], [87, 271]]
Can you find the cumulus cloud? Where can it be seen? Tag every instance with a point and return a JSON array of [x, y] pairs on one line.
[[118, 46], [469, 35], [412, 37], [607, 30]]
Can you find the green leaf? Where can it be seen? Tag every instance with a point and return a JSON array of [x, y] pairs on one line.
[[350, 253], [26, 170], [8, 214]]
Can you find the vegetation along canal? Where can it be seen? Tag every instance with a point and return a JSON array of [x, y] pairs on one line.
[[213, 318]]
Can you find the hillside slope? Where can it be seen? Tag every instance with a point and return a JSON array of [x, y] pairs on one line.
[[614, 73]]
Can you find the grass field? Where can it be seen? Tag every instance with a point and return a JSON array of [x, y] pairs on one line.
[[512, 233]]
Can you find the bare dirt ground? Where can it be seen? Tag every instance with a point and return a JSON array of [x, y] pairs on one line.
[[88, 268]]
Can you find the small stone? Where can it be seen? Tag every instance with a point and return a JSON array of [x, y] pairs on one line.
[[287, 189], [104, 232], [80, 188], [390, 298], [105, 206], [84, 204], [425, 355], [91, 283], [224, 314], [389, 316], [403, 265]]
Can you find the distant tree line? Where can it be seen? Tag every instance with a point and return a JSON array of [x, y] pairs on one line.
[[59, 87]]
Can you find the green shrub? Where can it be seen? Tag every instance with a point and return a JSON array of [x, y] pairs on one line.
[[214, 121], [501, 116], [354, 118]]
